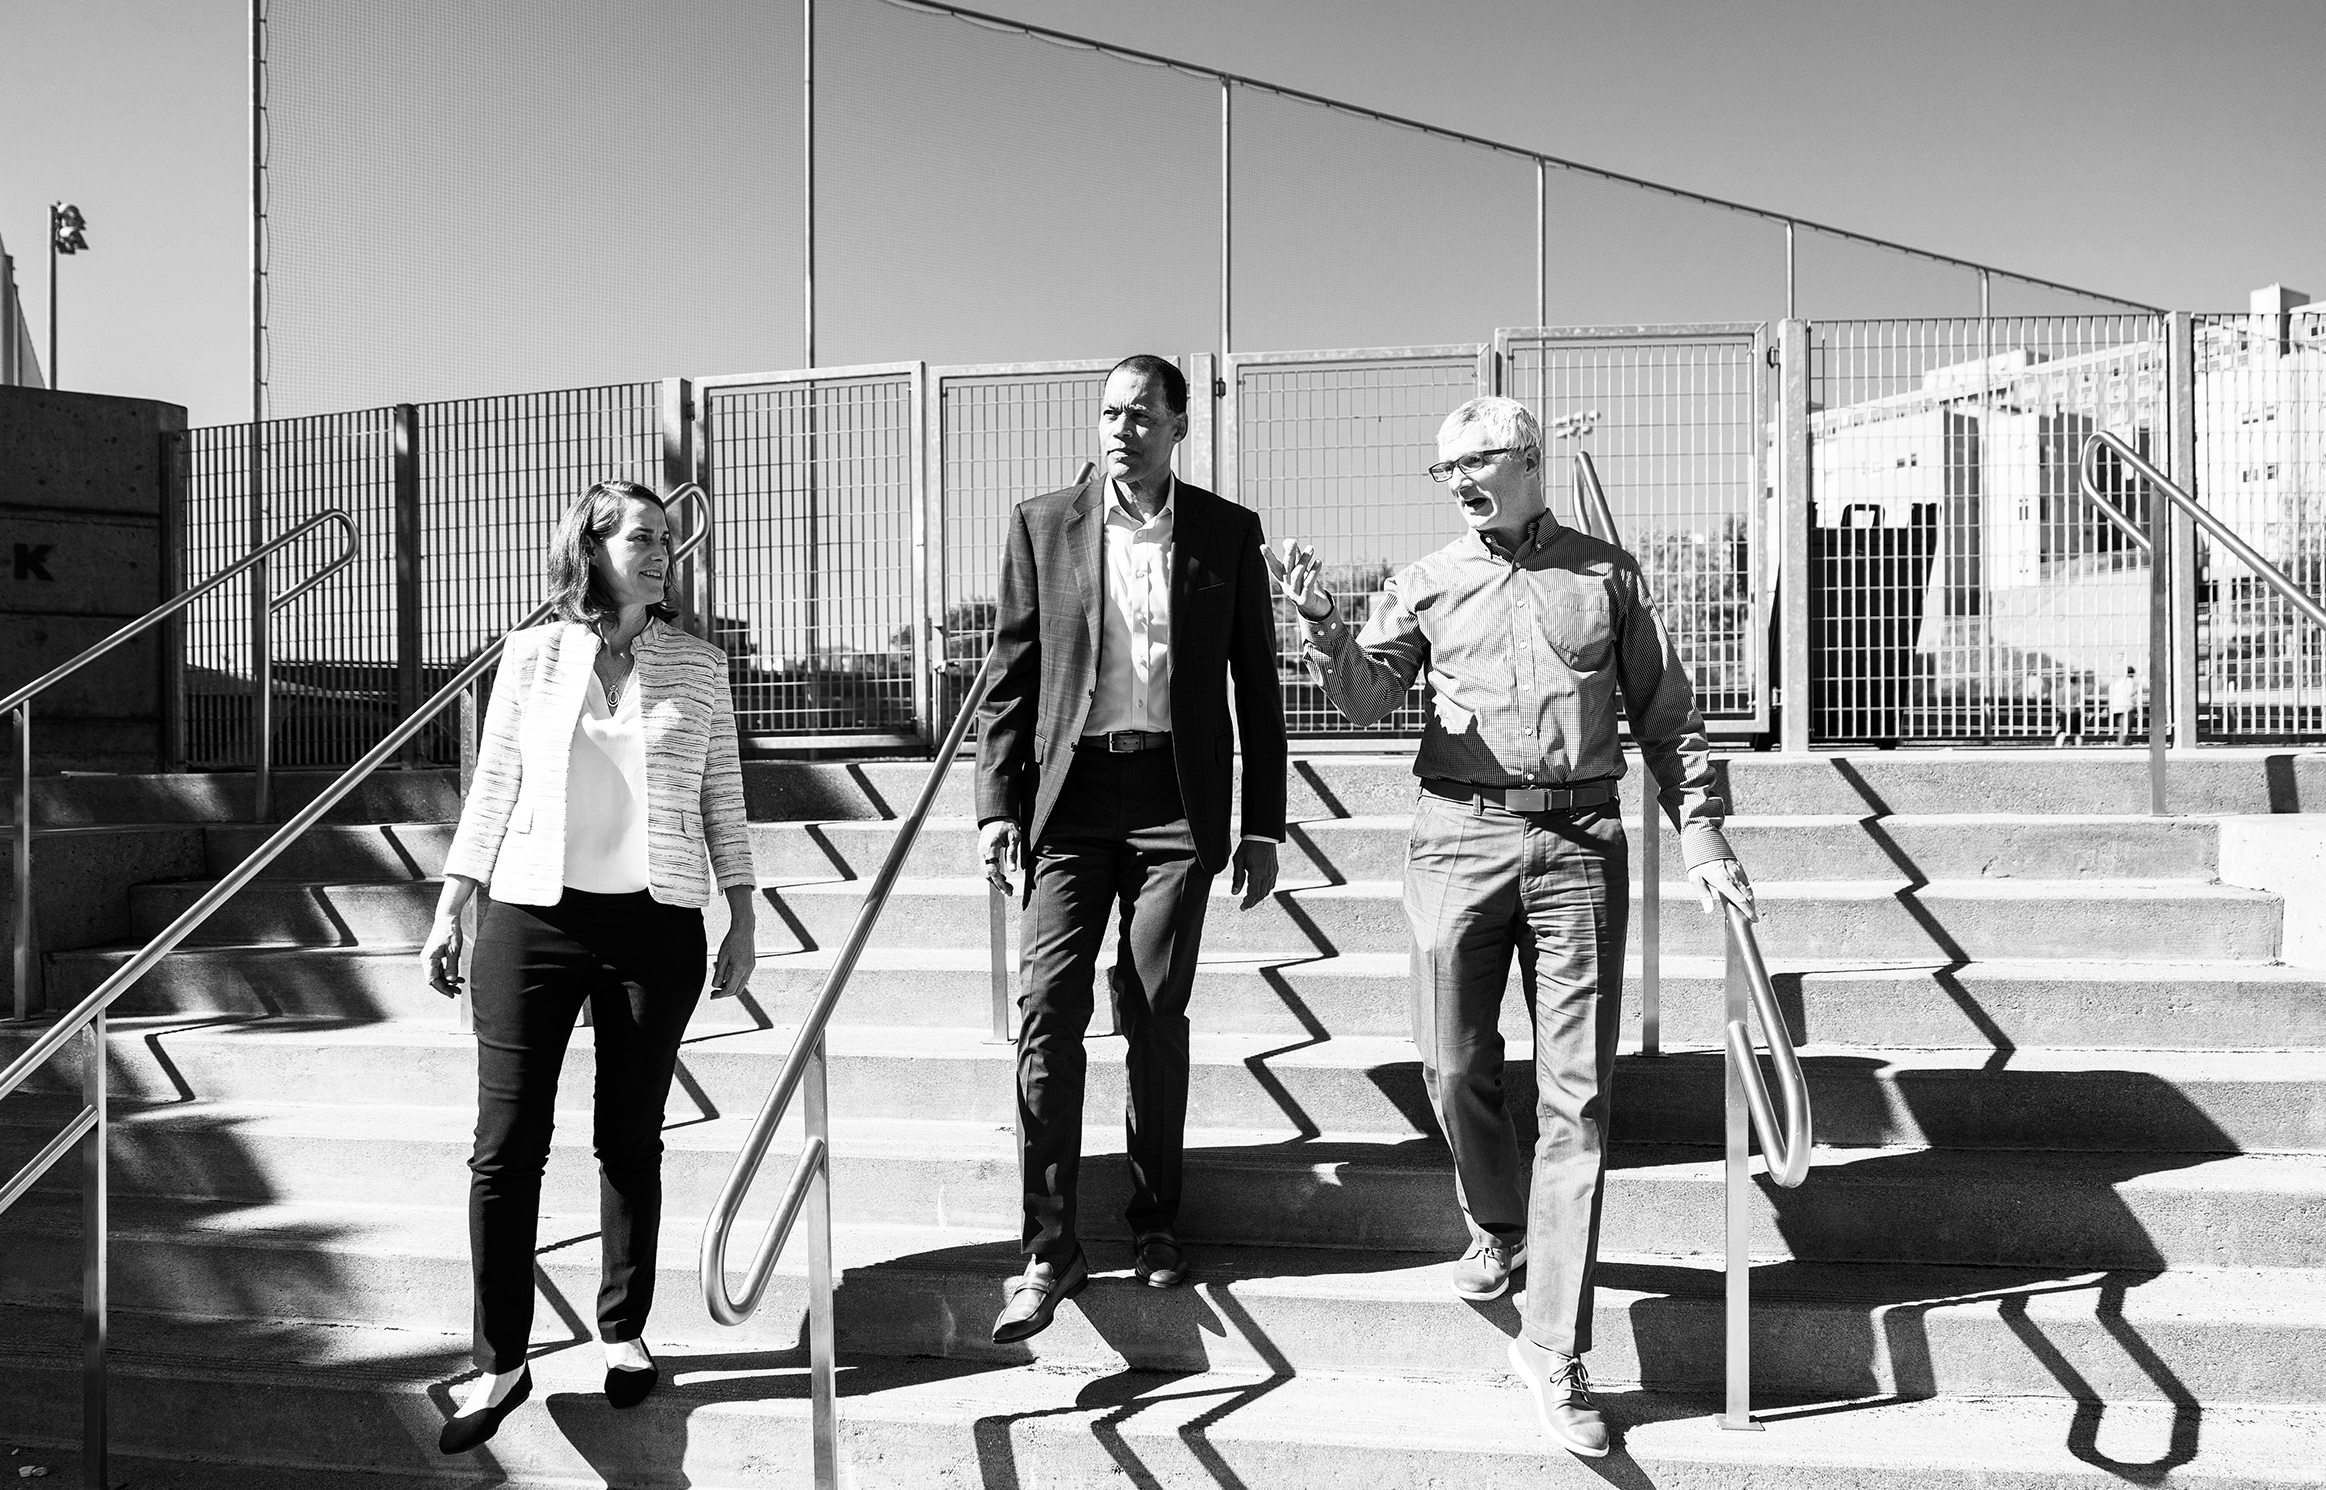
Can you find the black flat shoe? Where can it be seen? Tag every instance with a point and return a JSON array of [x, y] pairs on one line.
[[627, 1387], [471, 1430]]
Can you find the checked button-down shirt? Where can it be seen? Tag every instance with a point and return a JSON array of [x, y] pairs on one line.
[[1527, 653]]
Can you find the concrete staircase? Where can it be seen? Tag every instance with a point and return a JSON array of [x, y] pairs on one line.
[[2067, 1224]]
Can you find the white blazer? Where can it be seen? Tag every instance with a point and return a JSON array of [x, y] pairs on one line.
[[512, 827]]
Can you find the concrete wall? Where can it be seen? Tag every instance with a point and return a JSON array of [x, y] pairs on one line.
[[85, 498], [2284, 854]]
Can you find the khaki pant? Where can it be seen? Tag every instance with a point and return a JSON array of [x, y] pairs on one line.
[[1553, 887]]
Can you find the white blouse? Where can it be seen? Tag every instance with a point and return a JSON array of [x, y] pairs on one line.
[[605, 795]]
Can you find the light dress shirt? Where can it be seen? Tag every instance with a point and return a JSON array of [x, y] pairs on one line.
[[605, 794], [1134, 631], [1526, 652]]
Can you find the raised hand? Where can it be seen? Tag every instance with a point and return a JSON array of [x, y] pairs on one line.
[[1299, 575]]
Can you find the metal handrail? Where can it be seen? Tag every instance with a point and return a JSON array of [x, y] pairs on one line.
[[1598, 520], [87, 1018], [20, 704], [810, 1186], [2159, 647], [1784, 1144]]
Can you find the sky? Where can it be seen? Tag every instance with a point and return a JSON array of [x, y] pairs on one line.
[[469, 198]]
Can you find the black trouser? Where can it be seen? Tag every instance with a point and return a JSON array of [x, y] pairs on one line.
[[1117, 836], [638, 964]]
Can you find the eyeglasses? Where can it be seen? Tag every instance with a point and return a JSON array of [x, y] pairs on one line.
[[1473, 463]]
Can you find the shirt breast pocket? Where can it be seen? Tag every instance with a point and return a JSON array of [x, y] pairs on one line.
[[1577, 627]]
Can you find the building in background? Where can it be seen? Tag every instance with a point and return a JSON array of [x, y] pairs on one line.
[[19, 366]]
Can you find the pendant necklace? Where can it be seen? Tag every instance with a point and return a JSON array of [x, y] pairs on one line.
[[614, 688]]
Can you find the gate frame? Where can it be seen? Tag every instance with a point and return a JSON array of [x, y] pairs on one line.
[[1765, 595], [706, 389]]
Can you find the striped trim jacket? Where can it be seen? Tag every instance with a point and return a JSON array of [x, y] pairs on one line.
[[512, 826]]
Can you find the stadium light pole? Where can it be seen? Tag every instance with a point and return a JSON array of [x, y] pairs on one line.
[[67, 235]]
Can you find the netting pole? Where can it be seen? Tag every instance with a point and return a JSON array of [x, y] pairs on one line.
[[1542, 243], [261, 670], [808, 180], [2181, 367], [1227, 215]]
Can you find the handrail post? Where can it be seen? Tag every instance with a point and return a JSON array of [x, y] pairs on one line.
[[823, 1393], [1737, 1414], [94, 1227], [27, 961], [2160, 644]]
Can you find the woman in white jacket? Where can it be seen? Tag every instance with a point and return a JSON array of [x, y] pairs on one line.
[[608, 776]]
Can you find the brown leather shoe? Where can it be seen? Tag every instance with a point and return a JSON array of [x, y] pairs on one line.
[[1035, 1294], [1562, 1397], [1161, 1263]]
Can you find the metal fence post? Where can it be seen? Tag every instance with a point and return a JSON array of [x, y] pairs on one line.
[[2181, 365], [927, 602], [2160, 645], [262, 661], [171, 645], [1793, 576], [406, 452], [675, 424]]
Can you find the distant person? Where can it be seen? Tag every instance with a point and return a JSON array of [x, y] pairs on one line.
[[1527, 631], [608, 775], [2071, 713], [2123, 704], [1132, 606]]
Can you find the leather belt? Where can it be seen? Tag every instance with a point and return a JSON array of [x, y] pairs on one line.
[[1126, 741], [1524, 798]]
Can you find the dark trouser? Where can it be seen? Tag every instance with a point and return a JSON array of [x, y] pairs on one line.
[[1118, 834], [638, 964], [1554, 887]]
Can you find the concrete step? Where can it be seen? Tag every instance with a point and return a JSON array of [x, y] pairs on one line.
[[337, 851], [2121, 1101], [1982, 1005], [1338, 850], [329, 1403], [1950, 920], [1336, 784], [388, 796], [2239, 1335], [2010, 1208]]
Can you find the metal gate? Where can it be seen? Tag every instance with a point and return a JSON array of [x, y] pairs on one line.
[[1681, 438], [816, 483], [1333, 448], [1943, 460]]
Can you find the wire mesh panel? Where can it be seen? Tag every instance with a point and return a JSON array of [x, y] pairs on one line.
[[815, 491], [1333, 448], [1679, 438], [2261, 468], [1964, 589], [495, 476], [334, 648]]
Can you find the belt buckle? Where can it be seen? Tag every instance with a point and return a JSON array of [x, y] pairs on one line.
[[1524, 799], [1122, 742]]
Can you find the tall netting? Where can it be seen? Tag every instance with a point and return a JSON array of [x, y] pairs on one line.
[[2261, 468], [466, 200]]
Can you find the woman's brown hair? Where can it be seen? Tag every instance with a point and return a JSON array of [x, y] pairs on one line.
[[575, 591]]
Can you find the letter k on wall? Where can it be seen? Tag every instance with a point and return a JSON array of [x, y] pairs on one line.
[[32, 561]]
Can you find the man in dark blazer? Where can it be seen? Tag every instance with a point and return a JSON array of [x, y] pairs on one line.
[[1129, 606]]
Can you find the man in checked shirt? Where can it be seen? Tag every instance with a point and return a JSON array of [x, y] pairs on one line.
[[1528, 630]]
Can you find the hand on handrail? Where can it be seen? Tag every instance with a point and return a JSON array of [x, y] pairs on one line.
[[1724, 880]]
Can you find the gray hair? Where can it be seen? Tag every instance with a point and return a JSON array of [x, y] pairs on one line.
[[1507, 421]]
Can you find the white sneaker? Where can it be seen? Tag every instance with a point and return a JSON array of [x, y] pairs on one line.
[[1484, 1271], [1562, 1391]]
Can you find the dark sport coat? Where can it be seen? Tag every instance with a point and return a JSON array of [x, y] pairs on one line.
[[1223, 624]]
